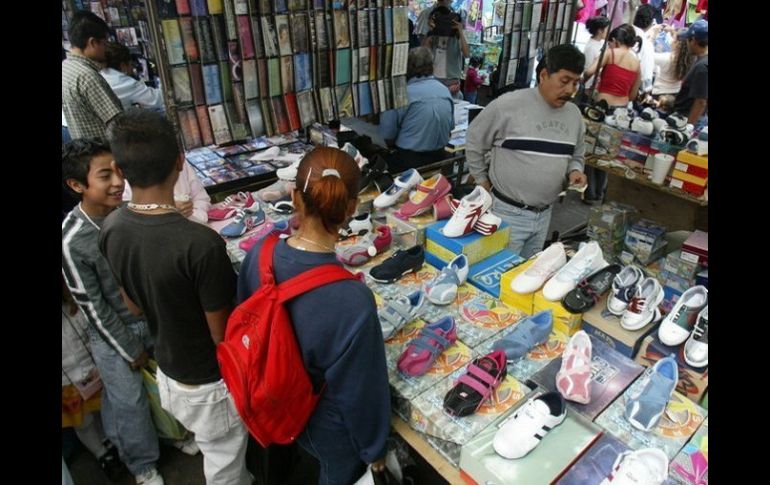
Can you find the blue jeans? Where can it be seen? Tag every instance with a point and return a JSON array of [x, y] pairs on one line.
[[529, 229], [65, 135], [327, 439], [125, 409], [471, 97]]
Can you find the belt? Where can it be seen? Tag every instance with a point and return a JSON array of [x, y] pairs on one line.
[[520, 205]]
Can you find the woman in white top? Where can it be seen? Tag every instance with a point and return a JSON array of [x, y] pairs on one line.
[[130, 91], [598, 27], [671, 68]]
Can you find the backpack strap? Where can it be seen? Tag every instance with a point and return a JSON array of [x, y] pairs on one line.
[[266, 275], [312, 279]]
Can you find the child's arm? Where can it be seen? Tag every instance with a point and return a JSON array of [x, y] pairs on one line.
[[86, 273], [190, 184]]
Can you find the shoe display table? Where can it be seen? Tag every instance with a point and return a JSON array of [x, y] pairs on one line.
[[449, 472], [674, 208]]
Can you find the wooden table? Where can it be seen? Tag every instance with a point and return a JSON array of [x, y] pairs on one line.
[[674, 208], [433, 457]]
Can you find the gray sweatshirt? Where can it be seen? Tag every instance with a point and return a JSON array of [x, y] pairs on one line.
[[532, 145], [93, 286]]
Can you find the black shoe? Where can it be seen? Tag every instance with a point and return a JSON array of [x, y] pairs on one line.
[[401, 263], [112, 466], [590, 290]]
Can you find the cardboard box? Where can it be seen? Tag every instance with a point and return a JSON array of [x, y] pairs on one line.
[[563, 321], [692, 382], [693, 170], [523, 302], [475, 246], [608, 141], [676, 282], [693, 159], [646, 240], [694, 189], [696, 248], [638, 139], [686, 177], [552, 456], [613, 217], [681, 266], [690, 466], [597, 463], [611, 374], [606, 327], [536, 359], [679, 422], [428, 415], [485, 275], [670, 296], [702, 278], [410, 232]]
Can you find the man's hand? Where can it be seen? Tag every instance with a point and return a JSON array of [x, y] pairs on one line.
[[577, 178], [379, 465], [140, 361], [185, 208], [487, 185]]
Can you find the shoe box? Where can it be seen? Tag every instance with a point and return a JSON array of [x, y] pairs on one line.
[[523, 302], [608, 141], [486, 274], [679, 263], [646, 240], [597, 463], [556, 452], [670, 296], [428, 415], [693, 382], [635, 148], [409, 232], [321, 135], [690, 466], [696, 248], [692, 188], [607, 225], [563, 321], [677, 425], [608, 329], [611, 374], [592, 132], [475, 246], [691, 165], [537, 358]]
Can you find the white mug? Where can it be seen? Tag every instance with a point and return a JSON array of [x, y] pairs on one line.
[[660, 167]]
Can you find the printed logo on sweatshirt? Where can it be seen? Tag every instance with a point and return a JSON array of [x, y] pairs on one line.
[[554, 126]]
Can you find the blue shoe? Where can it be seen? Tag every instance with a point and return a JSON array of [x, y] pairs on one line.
[[442, 290], [644, 410], [526, 335], [244, 221]]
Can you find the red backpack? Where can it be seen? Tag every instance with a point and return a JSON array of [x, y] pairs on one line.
[[260, 360]]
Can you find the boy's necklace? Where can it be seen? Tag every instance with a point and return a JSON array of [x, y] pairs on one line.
[[151, 207]]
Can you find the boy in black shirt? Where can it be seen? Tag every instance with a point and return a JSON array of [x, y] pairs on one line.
[[692, 99]]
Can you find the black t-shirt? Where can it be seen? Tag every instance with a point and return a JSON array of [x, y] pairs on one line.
[[174, 270], [695, 85]]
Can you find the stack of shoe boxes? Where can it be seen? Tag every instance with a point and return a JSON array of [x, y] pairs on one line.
[[607, 225], [696, 248], [634, 149], [645, 241], [693, 382], [676, 277], [608, 142], [690, 173], [475, 246], [592, 133]]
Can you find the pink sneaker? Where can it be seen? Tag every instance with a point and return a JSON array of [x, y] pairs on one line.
[[280, 227], [423, 196], [573, 380]]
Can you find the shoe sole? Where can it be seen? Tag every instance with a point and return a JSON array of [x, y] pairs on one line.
[[410, 270], [639, 326]]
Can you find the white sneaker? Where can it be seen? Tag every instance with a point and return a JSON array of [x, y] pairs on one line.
[[529, 424], [680, 321], [548, 263], [696, 350], [150, 477], [471, 208], [643, 307], [402, 185], [586, 261], [359, 225], [647, 466], [623, 289], [188, 446]]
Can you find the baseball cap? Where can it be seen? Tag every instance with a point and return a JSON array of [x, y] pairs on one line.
[[699, 30]]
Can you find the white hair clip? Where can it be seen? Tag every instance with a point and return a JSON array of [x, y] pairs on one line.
[[330, 171]]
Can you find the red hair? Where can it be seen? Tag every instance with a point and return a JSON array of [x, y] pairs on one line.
[[328, 197]]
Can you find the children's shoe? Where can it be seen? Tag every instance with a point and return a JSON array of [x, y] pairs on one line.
[[471, 208], [487, 224], [277, 191], [401, 185], [645, 409], [150, 477], [573, 380], [279, 227], [526, 335], [402, 262], [477, 385], [422, 352], [696, 350], [357, 226], [646, 466], [643, 307], [366, 247], [242, 223], [587, 260], [399, 311], [423, 196], [442, 290], [221, 213], [590, 290], [529, 425], [678, 324], [545, 266], [623, 289]]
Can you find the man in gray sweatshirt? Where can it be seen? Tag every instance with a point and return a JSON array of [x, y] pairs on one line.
[[526, 144]]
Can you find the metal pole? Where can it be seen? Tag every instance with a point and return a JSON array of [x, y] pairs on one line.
[[601, 54]]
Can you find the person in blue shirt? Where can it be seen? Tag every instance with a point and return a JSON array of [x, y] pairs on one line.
[[336, 325], [419, 131]]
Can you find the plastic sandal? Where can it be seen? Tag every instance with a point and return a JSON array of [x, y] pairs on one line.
[[573, 380], [483, 376], [399, 311], [526, 335], [422, 352]]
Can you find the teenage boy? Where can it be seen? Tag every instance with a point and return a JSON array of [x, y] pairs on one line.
[[118, 339], [178, 273]]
